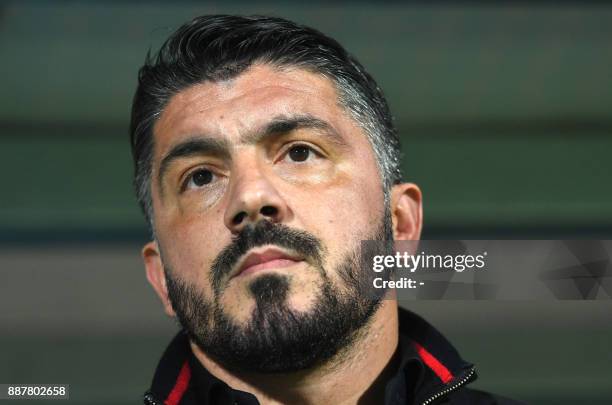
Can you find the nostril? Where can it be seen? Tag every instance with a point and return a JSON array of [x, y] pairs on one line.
[[239, 217], [268, 211]]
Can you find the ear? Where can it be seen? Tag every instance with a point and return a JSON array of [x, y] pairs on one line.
[[406, 211], [155, 274]]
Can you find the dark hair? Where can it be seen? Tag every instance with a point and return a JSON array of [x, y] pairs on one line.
[[219, 47]]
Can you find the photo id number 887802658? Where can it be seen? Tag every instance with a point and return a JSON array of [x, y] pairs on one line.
[[34, 391]]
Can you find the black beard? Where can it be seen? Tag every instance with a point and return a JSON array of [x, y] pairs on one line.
[[278, 339]]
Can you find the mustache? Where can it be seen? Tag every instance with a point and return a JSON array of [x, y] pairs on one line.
[[264, 233]]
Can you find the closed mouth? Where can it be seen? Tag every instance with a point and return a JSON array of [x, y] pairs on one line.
[[265, 258]]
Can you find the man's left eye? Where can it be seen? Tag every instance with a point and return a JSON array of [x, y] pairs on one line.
[[299, 153]]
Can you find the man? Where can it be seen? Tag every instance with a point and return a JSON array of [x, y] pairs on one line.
[[264, 154]]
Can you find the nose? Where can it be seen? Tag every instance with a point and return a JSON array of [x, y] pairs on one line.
[[252, 198]]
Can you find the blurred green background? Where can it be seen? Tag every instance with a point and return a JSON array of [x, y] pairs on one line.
[[505, 113]]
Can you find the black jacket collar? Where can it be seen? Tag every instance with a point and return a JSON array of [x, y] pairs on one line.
[[434, 365]]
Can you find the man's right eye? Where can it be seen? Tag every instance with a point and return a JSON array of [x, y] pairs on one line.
[[199, 178]]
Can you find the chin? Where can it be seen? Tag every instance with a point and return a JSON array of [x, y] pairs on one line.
[[302, 301]]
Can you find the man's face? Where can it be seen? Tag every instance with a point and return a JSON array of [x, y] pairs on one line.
[[263, 188]]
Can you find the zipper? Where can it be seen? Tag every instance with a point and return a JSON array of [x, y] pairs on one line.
[[149, 399], [452, 388]]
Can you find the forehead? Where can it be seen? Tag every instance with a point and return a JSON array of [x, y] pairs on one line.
[[230, 108]]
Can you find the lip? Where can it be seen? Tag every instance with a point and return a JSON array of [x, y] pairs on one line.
[[265, 258]]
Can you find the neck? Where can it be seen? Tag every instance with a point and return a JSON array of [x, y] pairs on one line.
[[355, 376]]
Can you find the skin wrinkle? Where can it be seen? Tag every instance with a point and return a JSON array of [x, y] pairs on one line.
[[278, 126], [201, 146]]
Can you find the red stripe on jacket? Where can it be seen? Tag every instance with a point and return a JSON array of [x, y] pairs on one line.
[[434, 364], [180, 386]]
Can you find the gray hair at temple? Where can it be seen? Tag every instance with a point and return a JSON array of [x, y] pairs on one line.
[[220, 47]]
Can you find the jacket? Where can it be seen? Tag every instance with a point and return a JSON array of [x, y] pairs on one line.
[[438, 375]]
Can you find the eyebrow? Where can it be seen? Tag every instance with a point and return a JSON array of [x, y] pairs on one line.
[[279, 125], [196, 146]]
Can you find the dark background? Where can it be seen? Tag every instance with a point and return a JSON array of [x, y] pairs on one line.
[[505, 115]]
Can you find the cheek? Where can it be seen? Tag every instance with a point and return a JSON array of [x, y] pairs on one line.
[[355, 206], [189, 250], [343, 214]]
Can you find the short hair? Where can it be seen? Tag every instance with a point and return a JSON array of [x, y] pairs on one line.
[[219, 47]]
